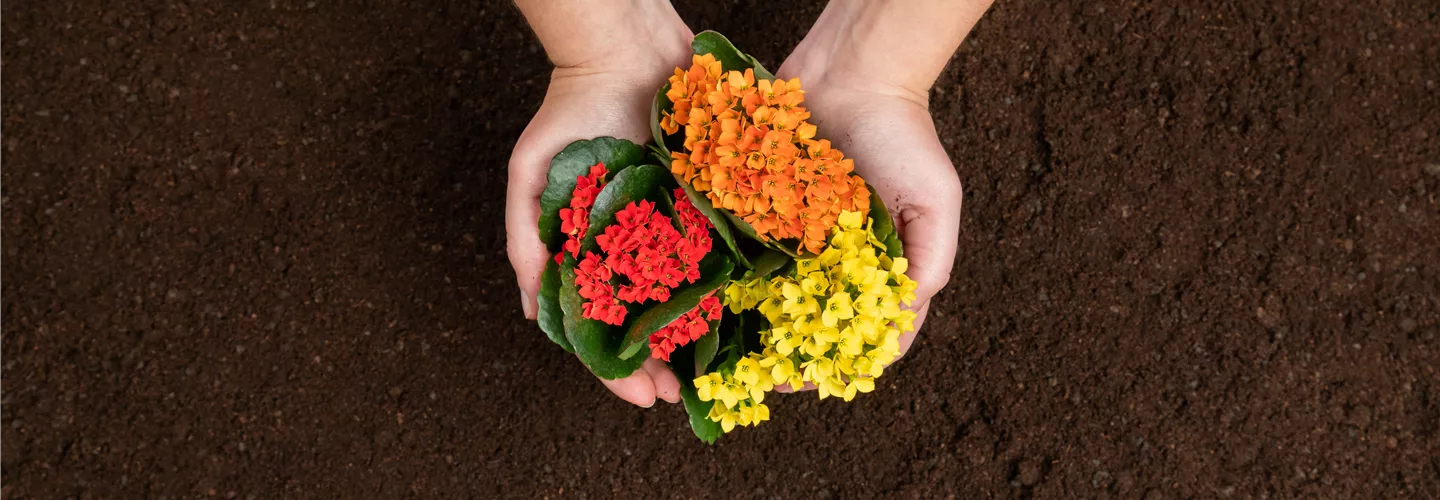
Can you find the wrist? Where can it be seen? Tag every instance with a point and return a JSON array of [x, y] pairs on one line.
[[634, 37], [888, 47]]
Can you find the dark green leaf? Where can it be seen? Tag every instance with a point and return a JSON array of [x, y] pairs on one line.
[[596, 344], [744, 227], [893, 247], [699, 411], [714, 272], [662, 103], [573, 161], [884, 227], [551, 317], [760, 72], [735, 328], [667, 207], [629, 185], [660, 155], [769, 261], [749, 231], [705, 348], [720, 222], [710, 42], [683, 362], [731, 59]]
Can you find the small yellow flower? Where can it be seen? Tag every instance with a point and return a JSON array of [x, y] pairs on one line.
[[804, 267], [815, 283], [728, 418], [708, 386], [747, 371], [837, 307], [773, 307], [899, 265], [797, 302], [782, 371], [818, 369], [752, 415], [785, 340], [819, 343], [830, 387], [851, 220], [850, 343], [858, 384]]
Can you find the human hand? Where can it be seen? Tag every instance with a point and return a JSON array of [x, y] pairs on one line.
[[889, 133], [601, 88], [867, 69]]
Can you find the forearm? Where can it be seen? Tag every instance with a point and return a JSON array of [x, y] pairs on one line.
[[592, 33], [899, 44]]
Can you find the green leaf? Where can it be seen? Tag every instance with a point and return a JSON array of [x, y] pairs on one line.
[[884, 227], [551, 317], [573, 161], [720, 222], [770, 260], [699, 411], [659, 154], [705, 348], [683, 362], [629, 185], [714, 273], [710, 42], [662, 103], [893, 247], [667, 207], [731, 59], [749, 231], [760, 72], [596, 343]]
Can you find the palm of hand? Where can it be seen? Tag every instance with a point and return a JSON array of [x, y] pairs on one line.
[[893, 141]]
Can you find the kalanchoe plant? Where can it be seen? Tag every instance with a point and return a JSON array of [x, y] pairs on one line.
[[754, 258]]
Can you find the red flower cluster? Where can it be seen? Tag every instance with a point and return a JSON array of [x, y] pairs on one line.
[[574, 221], [645, 257], [688, 328]]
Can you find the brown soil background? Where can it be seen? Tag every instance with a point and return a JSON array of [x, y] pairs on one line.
[[253, 250]]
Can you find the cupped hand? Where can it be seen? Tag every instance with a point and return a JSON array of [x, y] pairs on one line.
[[612, 98], [888, 131]]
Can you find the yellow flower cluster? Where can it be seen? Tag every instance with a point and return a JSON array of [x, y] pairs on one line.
[[739, 395], [835, 322]]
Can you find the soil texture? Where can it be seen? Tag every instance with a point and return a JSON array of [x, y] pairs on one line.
[[254, 250]]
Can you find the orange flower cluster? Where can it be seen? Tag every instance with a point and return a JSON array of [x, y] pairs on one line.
[[750, 150]]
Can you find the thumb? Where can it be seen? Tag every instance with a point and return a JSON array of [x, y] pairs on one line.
[[930, 233], [522, 235]]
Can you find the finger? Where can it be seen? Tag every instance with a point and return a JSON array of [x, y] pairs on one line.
[[667, 386], [637, 389], [930, 232], [522, 236]]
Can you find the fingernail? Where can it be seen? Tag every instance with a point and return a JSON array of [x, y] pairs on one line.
[[527, 305]]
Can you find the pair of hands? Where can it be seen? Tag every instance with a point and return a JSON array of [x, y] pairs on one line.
[[885, 127]]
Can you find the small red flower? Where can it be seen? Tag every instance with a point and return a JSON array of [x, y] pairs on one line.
[[688, 328], [575, 220]]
